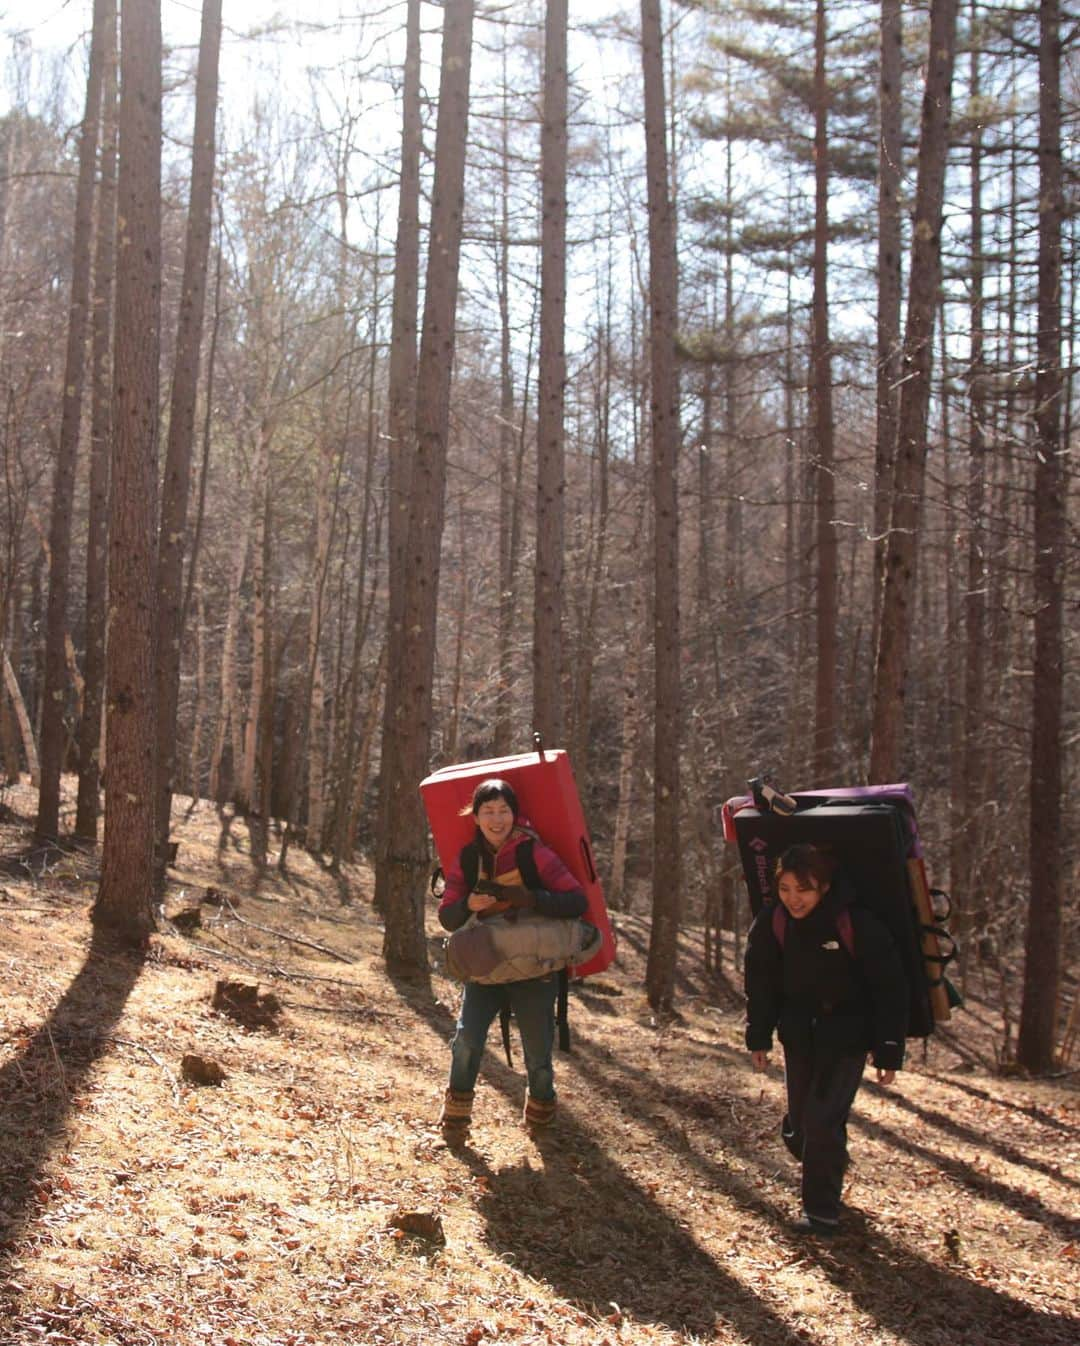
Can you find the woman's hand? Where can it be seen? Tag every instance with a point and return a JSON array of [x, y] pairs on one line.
[[481, 901], [504, 894], [760, 1060]]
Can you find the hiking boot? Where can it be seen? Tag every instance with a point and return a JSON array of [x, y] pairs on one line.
[[538, 1115], [456, 1115], [810, 1224]]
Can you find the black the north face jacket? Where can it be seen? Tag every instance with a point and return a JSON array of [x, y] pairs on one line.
[[816, 995]]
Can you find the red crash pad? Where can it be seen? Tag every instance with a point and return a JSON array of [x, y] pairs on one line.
[[548, 800]]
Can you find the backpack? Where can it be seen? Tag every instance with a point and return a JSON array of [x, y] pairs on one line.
[[846, 932]]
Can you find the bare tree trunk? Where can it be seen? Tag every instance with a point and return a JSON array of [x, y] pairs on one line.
[[199, 720], [124, 900], [890, 674], [11, 682], [314, 738], [970, 775], [262, 688], [54, 694], [92, 724], [344, 822], [401, 891], [1042, 964], [509, 480], [228, 709], [631, 713], [792, 493], [402, 432], [890, 180], [362, 772], [664, 409], [823, 430], [176, 488], [548, 670], [585, 657], [246, 798], [461, 627]]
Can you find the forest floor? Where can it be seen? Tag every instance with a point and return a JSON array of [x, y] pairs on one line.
[[309, 1198]]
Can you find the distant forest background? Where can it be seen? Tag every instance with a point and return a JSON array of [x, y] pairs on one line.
[[691, 383]]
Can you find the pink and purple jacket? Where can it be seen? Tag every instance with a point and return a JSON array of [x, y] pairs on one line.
[[559, 894]]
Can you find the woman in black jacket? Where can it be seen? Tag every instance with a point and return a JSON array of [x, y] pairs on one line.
[[824, 974]]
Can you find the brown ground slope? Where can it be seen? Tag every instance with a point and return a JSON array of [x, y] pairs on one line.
[[137, 1207]]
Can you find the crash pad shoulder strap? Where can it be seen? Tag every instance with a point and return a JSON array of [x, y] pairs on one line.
[[844, 928], [469, 859]]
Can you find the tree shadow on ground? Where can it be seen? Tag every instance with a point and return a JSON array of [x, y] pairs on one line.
[[1032, 1110], [37, 860], [597, 1236], [41, 1083], [592, 1232], [982, 1138], [601, 1240], [973, 1179], [923, 1302]]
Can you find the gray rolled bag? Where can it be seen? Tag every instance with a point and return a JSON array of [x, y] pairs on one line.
[[517, 945]]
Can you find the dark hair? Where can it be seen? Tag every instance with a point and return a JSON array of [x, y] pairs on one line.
[[811, 866], [491, 789]]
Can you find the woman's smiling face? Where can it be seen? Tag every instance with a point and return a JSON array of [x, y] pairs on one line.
[[800, 896], [495, 819]]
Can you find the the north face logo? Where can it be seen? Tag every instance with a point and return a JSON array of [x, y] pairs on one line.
[[759, 845]]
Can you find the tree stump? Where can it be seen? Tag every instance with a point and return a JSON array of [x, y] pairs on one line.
[[243, 1002]]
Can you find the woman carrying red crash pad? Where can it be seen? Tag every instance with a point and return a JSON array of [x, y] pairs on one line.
[[485, 880]]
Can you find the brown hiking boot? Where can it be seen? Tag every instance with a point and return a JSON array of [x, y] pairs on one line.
[[538, 1116], [456, 1115]]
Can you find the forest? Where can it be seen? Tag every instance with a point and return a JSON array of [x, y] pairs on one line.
[[395, 386], [691, 384]]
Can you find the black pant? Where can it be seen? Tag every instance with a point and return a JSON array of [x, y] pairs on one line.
[[820, 1092]]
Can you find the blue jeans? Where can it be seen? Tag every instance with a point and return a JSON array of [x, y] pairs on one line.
[[533, 1006]]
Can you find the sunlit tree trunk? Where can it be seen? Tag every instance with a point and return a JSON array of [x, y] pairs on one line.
[[822, 430], [970, 771], [402, 434], [260, 743], [461, 629], [890, 674], [245, 795], [201, 699], [548, 690], [176, 487], [54, 695], [91, 725], [11, 683], [890, 179], [593, 583], [511, 459], [664, 418], [345, 763], [228, 706], [402, 888], [124, 900], [1042, 964], [314, 739]]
